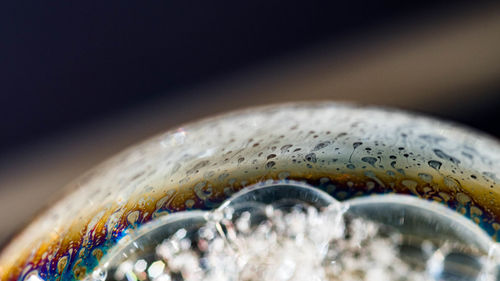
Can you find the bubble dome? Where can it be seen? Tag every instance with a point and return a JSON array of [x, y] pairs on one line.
[[344, 150]]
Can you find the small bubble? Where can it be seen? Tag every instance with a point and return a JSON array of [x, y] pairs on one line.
[[140, 265], [156, 269], [99, 275]]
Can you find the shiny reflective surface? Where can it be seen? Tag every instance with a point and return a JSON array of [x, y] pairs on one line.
[[341, 149], [285, 230]]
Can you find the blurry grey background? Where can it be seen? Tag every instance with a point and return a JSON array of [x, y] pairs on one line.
[[81, 82]]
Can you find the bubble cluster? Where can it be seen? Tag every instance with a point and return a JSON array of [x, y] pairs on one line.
[[300, 242]]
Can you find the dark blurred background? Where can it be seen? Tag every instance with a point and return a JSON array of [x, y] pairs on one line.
[[80, 81]]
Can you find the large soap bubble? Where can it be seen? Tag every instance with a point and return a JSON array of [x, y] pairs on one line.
[[345, 151]]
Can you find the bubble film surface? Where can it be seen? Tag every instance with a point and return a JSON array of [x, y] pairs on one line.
[[344, 150]]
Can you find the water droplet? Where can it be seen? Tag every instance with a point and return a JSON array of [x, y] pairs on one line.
[[439, 153], [270, 164], [61, 264], [411, 185], [321, 145], [451, 183], [202, 191], [463, 198], [425, 177], [189, 203], [285, 148], [435, 164], [369, 160], [133, 217], [311, 157], [271, 156], [283, 175]]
